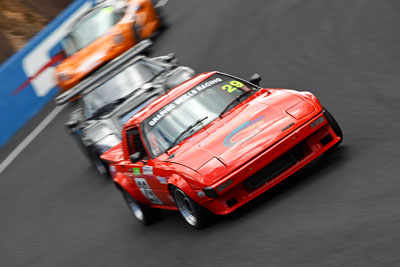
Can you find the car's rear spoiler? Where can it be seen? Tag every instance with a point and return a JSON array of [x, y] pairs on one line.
[[104, 70]]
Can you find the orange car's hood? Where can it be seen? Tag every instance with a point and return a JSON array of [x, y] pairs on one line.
[[245, 132], [88, 58]]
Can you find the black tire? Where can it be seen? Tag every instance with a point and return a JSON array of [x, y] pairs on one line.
[[194, 214], [335, 127], [101, 166], [136, 32], [143, 213], [163, 18]]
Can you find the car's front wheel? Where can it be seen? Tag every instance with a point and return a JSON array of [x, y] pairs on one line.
[[335, 127], [162, 17], [194, 214], [143, 213]]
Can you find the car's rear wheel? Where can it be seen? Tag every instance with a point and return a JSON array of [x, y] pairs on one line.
[[101, 166], [194, 214], [143, 213], [335, 127]]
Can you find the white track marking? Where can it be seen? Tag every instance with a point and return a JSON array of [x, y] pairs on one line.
[[30, 138], [161, 3]]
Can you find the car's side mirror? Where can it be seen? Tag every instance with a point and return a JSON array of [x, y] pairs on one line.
[[255, 79], [178, 76], [148, 86], [135, 157], [170, 58]]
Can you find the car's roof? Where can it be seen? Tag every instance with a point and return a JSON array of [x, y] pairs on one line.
[[167, 98], [87, 14]]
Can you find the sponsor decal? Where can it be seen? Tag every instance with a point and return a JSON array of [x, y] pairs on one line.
[[147, 170], [136, 171], [232, 86], [146, 191], [162, 180], [244, 132], [207, 84], [182, 99], [167, 109], [57, 58], [39, 66], [225, 129]]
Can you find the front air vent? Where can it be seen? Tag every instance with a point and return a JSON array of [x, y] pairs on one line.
[[326, 140], [282, 163], [231, 202]]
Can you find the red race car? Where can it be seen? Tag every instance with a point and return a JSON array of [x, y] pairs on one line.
[[214, 143]]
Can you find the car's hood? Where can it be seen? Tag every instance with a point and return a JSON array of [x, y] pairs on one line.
[[88, 58], [101, 134], [243, 133]]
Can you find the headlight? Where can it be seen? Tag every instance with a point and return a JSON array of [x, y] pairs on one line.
[[210, 192], [63, 76], [224, 185], [317, 122], [118, 38]]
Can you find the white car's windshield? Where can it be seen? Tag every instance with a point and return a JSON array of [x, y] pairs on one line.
[[107, 96]]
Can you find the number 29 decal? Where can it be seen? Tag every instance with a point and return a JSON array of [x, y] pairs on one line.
[[232, 86]]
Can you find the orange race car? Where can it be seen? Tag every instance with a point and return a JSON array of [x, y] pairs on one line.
[[103, 33]]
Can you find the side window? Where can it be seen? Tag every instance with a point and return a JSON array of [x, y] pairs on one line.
[[135, 145]]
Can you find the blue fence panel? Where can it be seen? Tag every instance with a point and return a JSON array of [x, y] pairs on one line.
[[27, 80]]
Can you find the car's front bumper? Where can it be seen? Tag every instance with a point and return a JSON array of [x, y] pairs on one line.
[[272, 166]]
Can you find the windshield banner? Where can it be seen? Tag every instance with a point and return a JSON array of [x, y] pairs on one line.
[[182, 99]]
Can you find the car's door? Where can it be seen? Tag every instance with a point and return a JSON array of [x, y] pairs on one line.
[[146, 173]]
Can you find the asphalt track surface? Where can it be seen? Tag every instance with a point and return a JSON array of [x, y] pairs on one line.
[[342, 210]]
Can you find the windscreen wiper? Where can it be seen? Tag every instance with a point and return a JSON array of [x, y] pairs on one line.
[[233, 102], [187, 130], [108, 107]]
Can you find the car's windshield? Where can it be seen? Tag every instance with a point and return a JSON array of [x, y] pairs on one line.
[[192, 111], [90, 28], [119, 87]]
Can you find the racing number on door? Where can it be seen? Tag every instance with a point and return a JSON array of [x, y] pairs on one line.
[[147, 191], [232, 86]]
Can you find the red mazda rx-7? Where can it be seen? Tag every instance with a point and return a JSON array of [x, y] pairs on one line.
[[215, 142]]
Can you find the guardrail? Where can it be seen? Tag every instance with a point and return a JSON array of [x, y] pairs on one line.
[[27, 80]]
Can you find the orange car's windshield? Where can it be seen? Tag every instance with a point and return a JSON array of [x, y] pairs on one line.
[[90, 28]]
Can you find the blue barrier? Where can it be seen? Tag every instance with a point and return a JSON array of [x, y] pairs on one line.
[[27, 79]]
